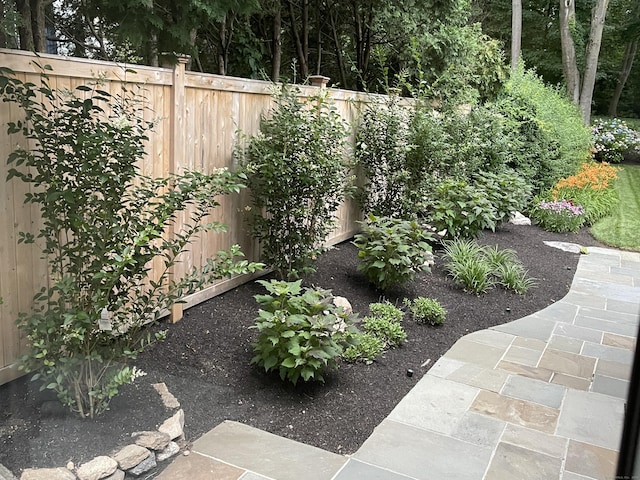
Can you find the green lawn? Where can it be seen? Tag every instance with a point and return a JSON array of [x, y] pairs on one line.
[[622, 228]]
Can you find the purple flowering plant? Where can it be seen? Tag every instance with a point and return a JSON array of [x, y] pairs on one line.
[[558, 215]]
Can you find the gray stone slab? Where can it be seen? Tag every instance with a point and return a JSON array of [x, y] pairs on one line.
[[5, 474], [422, 454], [574, 476], [592, 418], [606, 326], [435, 404], [445, 367], [605, 352], [267, 454], [566, 344], [584, 300], [523, 356], [601, 257], [484, 378], [513, 462], [530, 343], [611, 278], [531, 326], [253, 476], [536, 391], [491, 337], [611, 316], [479, 429], [551, 445], [616, 292], [560, 312], [356, 470], [581, 333], [610, 386], [631, 308], [613, 369], [477, 353]]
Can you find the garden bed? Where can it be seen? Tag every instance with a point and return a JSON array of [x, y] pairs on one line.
[[205, 364]]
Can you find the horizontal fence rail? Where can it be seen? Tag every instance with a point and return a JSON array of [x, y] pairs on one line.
[[198, 120]]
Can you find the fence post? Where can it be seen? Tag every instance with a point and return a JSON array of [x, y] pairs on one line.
[[319, 81], [178, 113]]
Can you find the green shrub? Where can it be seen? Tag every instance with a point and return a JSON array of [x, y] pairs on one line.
[[383, 322], [461, 210], [426, 310], [506, 190], [104, 223], [391, 250], [298, 177], [382, 144], [513, 276], [301, 332], [366, 349], [474, 275]]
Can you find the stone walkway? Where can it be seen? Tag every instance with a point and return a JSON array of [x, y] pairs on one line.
[[539, 398]]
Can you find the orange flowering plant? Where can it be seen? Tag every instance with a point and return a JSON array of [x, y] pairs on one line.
[[591, 187]]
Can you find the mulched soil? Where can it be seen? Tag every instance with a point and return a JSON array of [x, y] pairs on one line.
[[205, 364]]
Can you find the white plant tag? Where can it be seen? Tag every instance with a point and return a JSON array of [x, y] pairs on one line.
[[105, 320]]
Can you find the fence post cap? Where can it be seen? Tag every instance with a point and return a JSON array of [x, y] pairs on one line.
[[319, 81]]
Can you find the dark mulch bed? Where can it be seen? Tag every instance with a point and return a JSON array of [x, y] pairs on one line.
[[205, 364]]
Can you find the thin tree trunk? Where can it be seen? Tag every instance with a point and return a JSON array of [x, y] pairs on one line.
[[593, 52], [25, 30], [222, 65], [154, 61], [569, 65], [339, 56], [627, 64], [516, 32], [300, 43], [277, 42], [318, 38], [38, 25]]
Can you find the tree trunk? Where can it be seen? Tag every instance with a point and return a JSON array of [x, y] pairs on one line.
[[25, 30], [339, 56], [516, 32], [302, 44], [277, 42], [593, 52], [627, 64], [38, 25], [569, 65]]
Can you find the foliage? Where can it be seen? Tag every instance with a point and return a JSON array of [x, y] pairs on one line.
[[461, 209], [478, 269], [558, 215], [613, 140], [426, 310], [383, 322], [506, 190], [103, 223], [366, 350], [391, 250], [592, 188], [622, 228], [301, 332], [382, 143], [298, 177]]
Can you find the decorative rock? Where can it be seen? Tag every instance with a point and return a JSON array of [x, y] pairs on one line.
[[144, 466], [565, 246], [174, 426], [71, 466], [130, 456], [172, 449], [167, 397], [344, 303], [117, 475], [519, 219], [151, 440], [47, 474], [97, 468]]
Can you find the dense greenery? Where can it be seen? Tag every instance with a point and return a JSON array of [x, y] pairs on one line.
[[298, 176], [103, 223]]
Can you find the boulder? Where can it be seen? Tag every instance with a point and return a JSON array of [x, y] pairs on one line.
[[172, 449], [519, 219], [130, 456], [174, 426], [166, 396], [47, 474], [117, 475], [146, 465], [151, 440], [97, 469], [344, 303]]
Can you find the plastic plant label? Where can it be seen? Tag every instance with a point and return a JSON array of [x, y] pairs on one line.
[[105, 320]]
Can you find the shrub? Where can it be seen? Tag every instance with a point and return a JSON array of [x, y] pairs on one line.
[[474, 275], [382, 143], [507, 269], [298, 177], [613, 140], [461, 210], [558, 216], [592, 188], [301, 332], [391, 250], [383, 322], [426, 310], [366, 349], [507, 192], [103, 223]]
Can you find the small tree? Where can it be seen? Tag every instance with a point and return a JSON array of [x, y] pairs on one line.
[[103, 223], [298, 177]]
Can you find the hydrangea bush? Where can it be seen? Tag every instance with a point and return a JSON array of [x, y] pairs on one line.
[[613, 140], [558, 215]]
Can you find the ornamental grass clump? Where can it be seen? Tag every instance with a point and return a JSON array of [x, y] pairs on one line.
[[613, 140], [558, 215]]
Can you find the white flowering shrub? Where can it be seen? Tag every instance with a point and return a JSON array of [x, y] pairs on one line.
[[613, 139], [103, 223]]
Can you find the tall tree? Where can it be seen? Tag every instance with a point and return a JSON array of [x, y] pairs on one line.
[[516, 32], [632, 33]]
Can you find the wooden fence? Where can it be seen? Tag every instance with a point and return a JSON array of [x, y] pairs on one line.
[[199, 117]]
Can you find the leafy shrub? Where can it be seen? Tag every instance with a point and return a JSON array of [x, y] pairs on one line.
[[383, 322], [478, 269], [298, 177], [382, 143], [391, 250], [591, 187], [103, 223], [613, 139], [426, 310], [366, 349], [461, 209], [558, 216], [507, 192], [301, 332]]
